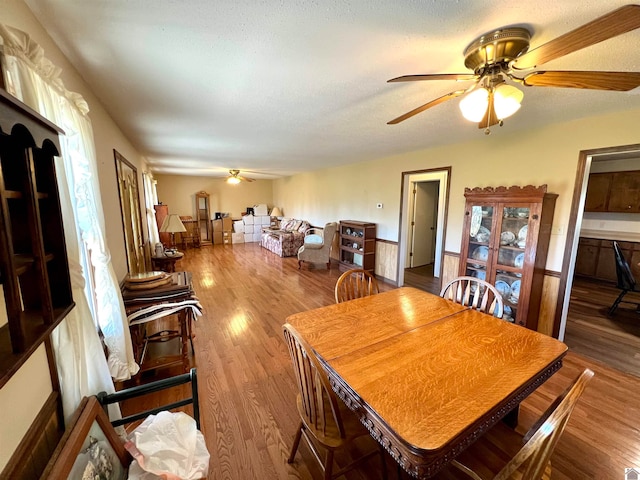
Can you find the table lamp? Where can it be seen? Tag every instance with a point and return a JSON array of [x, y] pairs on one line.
[[172, 224], [276, 212]]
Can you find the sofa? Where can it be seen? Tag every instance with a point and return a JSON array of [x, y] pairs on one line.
[[287, 238]]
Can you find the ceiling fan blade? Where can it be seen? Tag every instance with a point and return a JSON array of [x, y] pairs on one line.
[[424, 107], [436, 76], [617, 81], [245, 179], [612, 24]]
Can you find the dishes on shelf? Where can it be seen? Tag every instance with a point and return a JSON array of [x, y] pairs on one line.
[[507, 314], [348, 231], [483, 235], [519, 260], [507, 238], [522, 234], [504, 288], [515, 292], [481, 253], [476, 220]]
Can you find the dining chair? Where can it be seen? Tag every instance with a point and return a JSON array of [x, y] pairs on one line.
[[325, 421], [501, 452], [355, 283], [192, 235], [475, 293], [625, 280]]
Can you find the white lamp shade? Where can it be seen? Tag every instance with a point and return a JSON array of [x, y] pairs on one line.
[[172, 224], [506, 100], [474, 105], [276, 212]]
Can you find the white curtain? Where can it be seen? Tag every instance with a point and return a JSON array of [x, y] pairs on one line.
[[151, 199], [82, 367]]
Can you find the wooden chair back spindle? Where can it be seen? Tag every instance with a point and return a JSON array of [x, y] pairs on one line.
[[355, 283]]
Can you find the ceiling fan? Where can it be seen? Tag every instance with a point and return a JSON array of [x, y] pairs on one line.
[[503, 55], [235, 178]]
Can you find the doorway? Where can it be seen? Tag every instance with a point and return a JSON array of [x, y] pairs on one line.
[[422, 225], [581, 314]]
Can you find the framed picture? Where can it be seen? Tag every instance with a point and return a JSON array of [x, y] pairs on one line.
[[90, 448]]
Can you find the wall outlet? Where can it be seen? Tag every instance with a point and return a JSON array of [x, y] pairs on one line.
[[378, 205]]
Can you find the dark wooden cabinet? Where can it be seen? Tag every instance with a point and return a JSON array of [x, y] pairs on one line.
[[624, 195], [587, 257], [595, 258], [34, 270], [598, 192], [357, 245], [613, 192], [505, 240]]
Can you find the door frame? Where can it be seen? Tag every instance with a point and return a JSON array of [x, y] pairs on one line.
[[585, 159], [443, 176]]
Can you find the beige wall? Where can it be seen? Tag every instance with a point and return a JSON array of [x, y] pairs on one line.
[[178, 193], [23, 396], [547, 155]]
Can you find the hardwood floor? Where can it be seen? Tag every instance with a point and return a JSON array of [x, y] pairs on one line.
[[247, 389], [614, 340], [422, 278]]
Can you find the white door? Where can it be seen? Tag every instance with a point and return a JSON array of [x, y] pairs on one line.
[[425, 208]]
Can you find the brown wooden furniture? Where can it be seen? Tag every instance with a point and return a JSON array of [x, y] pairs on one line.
[[162, 301], [613, 192], [474, 293], [505, 240], [502, 451], [192, 235], [596, 259], [355, 283], [166, 263], [357, 244], [426, 376], [161, 213], [34, 271], [203, 215], [324, 419]]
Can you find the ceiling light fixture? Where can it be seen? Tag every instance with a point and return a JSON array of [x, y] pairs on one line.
[[233, 180], [506, 100]]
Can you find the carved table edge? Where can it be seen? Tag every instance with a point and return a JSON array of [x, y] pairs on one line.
[[405, 455]]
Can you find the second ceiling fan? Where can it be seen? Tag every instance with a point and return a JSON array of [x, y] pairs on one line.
[[503, 55], [234, 177]]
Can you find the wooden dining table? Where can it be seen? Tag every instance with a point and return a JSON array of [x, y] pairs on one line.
[[426, 376]]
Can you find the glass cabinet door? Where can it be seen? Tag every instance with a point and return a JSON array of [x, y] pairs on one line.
[[514, 221], [478, 251]]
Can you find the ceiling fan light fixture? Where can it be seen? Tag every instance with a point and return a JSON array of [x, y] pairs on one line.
[[474, 105], [507, 100], [233, 180]]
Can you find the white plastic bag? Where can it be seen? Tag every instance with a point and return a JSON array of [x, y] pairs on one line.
[[168, 446]]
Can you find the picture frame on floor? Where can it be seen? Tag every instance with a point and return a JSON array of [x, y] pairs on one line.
[[90, 447]]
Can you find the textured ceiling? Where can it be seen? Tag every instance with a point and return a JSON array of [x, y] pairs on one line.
[[279, 87]]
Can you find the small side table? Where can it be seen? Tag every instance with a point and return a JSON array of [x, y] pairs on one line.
[[166, 263]]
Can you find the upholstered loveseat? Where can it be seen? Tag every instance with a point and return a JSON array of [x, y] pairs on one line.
[[287, 239]]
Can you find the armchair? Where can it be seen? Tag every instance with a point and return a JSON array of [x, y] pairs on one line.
[[316, 248]]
